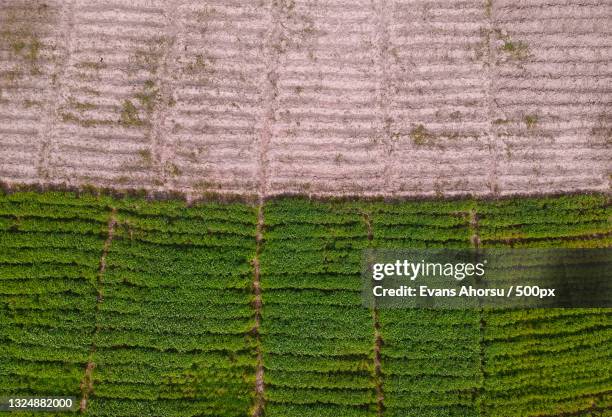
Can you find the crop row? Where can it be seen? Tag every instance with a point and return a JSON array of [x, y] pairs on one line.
[[545, 362], [430, 359], [545, 222], [166, 325], [169, 322], [176, 290], [318, 340], [434, 363], [50, 250]]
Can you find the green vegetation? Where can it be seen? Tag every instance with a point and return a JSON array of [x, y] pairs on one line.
[[547, 362], [165, 326], [172, 170], [85, 122], [145, 155], [148, 97], [129, 115], [420, 135], [317, 339], [430, 359], [515, 50], [147, 308], [50, 249], [200, 65], [518, 50], [530, 120], [172, 330]]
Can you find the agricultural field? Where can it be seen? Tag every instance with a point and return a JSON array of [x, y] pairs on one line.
[[148, 303], [187, 189], [317, 339], [317, 97], [139, 307], [559, 369], [174, 313]]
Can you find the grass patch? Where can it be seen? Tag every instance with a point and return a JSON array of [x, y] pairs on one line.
[[501, 121], [172, 169], [148, 97], [129, 115], [515, 50], [420, 135], [145, 155], [531, 120]]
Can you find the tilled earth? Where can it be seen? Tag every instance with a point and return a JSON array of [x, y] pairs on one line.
[[394, 98]]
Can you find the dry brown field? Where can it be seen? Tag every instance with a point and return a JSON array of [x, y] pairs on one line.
[[395, 98]]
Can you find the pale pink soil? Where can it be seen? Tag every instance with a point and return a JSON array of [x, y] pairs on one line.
[[395, 98]]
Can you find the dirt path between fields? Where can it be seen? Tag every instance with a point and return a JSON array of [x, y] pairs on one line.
[[257, 303], [378, 341], [160, 134], [476, 244], [87, 382]]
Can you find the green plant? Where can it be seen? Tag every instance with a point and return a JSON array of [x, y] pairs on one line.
[[129, 115], [171, 314], [420, 135], [531, 120]]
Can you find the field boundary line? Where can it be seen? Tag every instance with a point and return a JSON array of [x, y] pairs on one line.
[[159, 132], [270, 93], [378, 341], [384, 93], [492, 137], [48, 130], [476, 244], [87, 381], [258, 408], [474, 225], [380, 397]]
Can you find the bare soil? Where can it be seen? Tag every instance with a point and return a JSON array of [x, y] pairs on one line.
[[335, 97]]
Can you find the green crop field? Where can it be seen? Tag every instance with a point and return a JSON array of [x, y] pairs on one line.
[[140, 307]]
